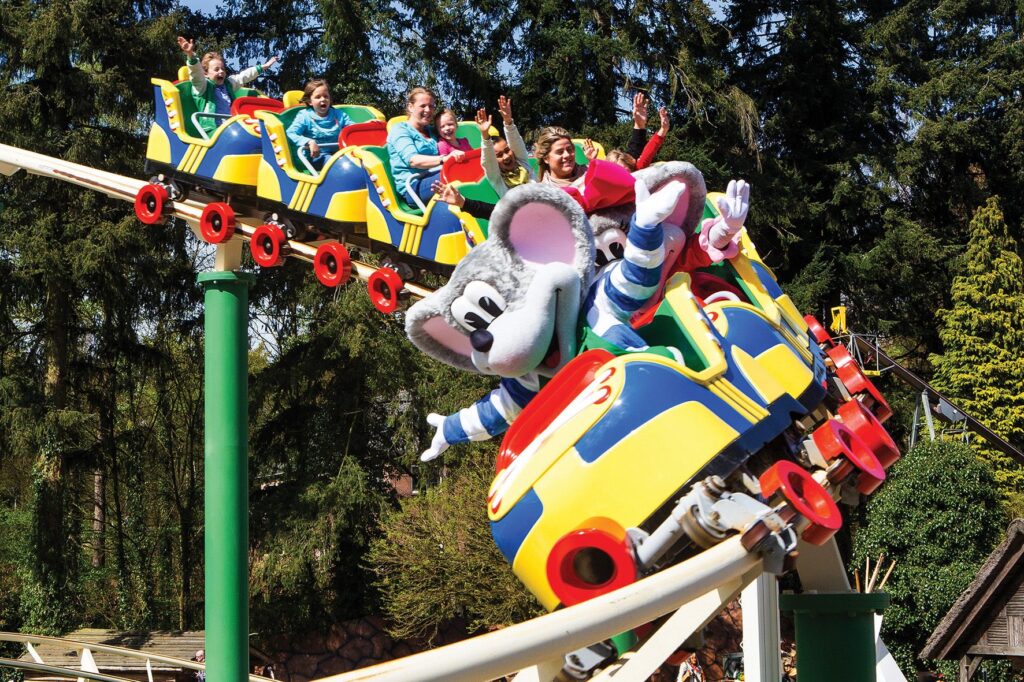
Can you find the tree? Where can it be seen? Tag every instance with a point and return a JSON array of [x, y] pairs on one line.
[[983, 342], [937, 517], [435, 560]]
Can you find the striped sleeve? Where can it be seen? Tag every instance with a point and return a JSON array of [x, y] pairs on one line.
[[491, 415]]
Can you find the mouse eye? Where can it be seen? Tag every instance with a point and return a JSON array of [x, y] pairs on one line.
[[611, 245], [478, 305]]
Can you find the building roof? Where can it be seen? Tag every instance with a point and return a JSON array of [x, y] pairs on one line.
[[181, 645], [974, 611]]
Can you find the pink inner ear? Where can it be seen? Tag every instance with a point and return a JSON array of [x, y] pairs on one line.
[[542, 234], [448, 337], [678, 216]]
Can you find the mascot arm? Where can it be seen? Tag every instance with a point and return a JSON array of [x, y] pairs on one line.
[[488, 417]]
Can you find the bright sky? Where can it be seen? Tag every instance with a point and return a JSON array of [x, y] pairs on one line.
[[204, 6]]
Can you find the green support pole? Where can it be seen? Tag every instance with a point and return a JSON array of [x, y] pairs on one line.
[[226, 474], [835, 634]]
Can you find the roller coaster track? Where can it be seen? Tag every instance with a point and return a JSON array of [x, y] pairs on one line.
[[692, 592], [941, 404], [13, 159], [696, 590]]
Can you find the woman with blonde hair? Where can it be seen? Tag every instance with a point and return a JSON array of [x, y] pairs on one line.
[[556, 158]]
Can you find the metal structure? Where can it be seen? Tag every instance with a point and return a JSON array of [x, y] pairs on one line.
[[693, 592]]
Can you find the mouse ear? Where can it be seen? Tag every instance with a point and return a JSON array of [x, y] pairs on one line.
[[542, 224], [429, 331]]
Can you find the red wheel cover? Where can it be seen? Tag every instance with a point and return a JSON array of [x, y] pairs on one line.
[[384, 285], [835, 439], [332, 264], [217, 224], [859, 419], [849, 372], [565, 581], [268, 245], [807, 497], [151, 202], [818, 332]]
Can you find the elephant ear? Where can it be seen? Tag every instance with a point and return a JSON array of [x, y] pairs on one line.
[[541, 224], [432, 332]]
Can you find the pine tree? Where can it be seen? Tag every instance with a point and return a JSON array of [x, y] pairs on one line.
[[983, 339]]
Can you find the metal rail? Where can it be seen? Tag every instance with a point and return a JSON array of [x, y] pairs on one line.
[[908, 377], [550, 637], [13, 159], [71, 674], [32, 640]]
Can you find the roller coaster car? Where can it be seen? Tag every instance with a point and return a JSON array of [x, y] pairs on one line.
[[226, 162], [625, 463], [336, 193]]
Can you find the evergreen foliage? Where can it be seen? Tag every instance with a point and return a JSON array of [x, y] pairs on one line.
[[871, 133], [435, 561], [937, 517], [983, 342]]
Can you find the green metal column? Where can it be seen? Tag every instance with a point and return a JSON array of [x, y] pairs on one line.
[[835, 634], [226, 474]]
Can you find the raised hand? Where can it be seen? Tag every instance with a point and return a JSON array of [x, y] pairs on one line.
[[483, 121], [589, 150], [735, 204], [270, 62], [448, 193], [505, 108], [186, 46], [640, 111], [733, 207], [663, 115], [652, 209], [439, 444]]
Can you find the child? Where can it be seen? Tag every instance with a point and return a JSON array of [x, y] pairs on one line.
[[319, 123], [212, 88], [447, 124]]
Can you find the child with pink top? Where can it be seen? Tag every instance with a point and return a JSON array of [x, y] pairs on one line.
[[447, 143]]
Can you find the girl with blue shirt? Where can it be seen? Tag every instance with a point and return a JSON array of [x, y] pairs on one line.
[[318, 123], [412, 148]]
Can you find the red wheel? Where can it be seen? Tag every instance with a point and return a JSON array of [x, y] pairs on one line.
[[859, 419], [332, 264], [384, 285], [152, 203], [835, 439], [269, 245], [587, 563], [806, 496], [818, 332], [217, 224], [856, 382]]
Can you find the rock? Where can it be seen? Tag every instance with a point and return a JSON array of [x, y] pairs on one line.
[[364, 628], [334, 666], [356, 650], [336, 638]]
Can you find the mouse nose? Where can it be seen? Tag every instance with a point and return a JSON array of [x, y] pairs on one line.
[[481, 340]]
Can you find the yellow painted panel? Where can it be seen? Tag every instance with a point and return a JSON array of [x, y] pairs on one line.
[[451, 248], [240, 169], [679, 297], [197, 159], [767, 386], [158, 148], [627, 484], [376, 225], [348, 207], [787, 368], [267, 184]]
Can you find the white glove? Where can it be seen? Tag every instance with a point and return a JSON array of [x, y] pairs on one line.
[[439, 444], [733, 207], [652, 209]]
